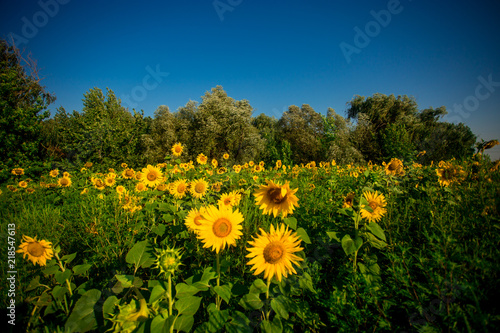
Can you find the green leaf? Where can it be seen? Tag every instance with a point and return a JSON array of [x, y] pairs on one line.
[[350, 246], [159, 229], [204, 282], [184, 323], [82, 318], [303, 235], [224, 292], [61, 277], [157, 292], [108, 308], [258, 287], [239, 323], [81, 269], [126, 281], [35, 283], [333, 235], [279, 306], [141, 255], [251, 302], [58, 292], [184, 290], [291, 222], [217, 319], [375, 242], [272, 327], [376, 230], [162, 323], [50, 270], [188, 305], [68, 258]]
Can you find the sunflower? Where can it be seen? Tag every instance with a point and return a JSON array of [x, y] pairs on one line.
[[140, 187], [273, 253], [216, 186], [88, 165], [179, 188], [162, 187], [151, 176], [394, 167], [220, 227], [229, 199], [221, 170], [376, 201], [194, 218], [17, 172], [120, 190], [449, 173], [215, 163], [124, 165], [54, 173], [37, 251], [276, 198], [23, 184], [177, 149], [202, 159], [198, 188], [348, 200], [64, 181], [110, 180], [98, 183], [128, 173], [225, 156]]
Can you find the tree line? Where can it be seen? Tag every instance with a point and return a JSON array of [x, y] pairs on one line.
[[376, 128]]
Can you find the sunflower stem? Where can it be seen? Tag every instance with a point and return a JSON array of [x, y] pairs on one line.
[[218, 301], [267, 299], [63, 270], [170, 295]]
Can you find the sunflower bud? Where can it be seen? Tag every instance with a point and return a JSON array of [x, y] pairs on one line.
[[168, 260]]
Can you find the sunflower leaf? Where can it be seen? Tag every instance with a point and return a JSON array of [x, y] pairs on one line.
[[184, 323], [258, 287], [141, 255], [82, 318], [224, 292], [251, 302], [291, 222], [81, 269], [376, 230], [303, 235], [188, 305]]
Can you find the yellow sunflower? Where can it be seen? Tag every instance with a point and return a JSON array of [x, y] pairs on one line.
[[198, 188], [376, 201], [225, 156], [179, 188], [140, 187], [98, 183], [22, 184], [124, 165], [151, 176], [348, 200], [128, 173], [88, 165], [215, 163], [37, 251], [18, 172], [120, 190], [276, 198], [64, 181], [110, 180], [54, 173], [394, 167], [194, 218], [177, 149], [221, 170], [273, 253], [220, 227], [202, 159]]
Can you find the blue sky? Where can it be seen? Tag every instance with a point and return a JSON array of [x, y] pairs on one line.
[[277, 54]]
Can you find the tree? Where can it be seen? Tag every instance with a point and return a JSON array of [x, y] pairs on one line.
[[162, 135], [303, 128], [23, 106], [340, 145]]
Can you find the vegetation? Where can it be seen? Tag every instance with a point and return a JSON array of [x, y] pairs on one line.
[[208, 219]]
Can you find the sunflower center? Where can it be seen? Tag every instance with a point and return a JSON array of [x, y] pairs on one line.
[[178, 149], [373, 205], [275, 195], [227, 201], [197, 220], [273, 252], [36, 249], [181, 188], [393, 166], [151, 177], [199, 188], [64, 181], [129, 173], [222, 227]]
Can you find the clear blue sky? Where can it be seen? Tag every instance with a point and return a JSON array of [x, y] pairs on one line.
[[320, 53]]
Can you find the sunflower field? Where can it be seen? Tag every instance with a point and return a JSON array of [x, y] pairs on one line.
[[205, 246]]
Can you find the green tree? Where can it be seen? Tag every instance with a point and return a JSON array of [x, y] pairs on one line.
[[162, 135], [303, 128], [340, 140], [23, 106]]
